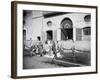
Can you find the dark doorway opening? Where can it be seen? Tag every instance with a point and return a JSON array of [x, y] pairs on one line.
[[24, 35], [49, 35], [66, 29], [39, 38], [66, 34]]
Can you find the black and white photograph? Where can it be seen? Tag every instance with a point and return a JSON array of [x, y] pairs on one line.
[[56, 39], [53, 39]]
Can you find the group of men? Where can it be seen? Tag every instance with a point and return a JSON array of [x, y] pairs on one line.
[[50, 47]]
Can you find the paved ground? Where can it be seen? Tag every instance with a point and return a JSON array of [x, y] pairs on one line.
[[38, 62], [45, 62]]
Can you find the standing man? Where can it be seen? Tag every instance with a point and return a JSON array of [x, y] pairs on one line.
[[54, 49]]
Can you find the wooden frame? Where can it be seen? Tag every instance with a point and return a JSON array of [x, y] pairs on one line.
[[14, 36]]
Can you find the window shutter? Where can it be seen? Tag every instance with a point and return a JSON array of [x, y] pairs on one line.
[[55, 35], [78, 34]]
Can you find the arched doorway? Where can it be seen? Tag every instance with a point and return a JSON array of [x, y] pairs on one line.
[[66, 29]]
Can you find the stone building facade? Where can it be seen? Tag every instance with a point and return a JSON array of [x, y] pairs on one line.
[[57, 26], [67, 26]]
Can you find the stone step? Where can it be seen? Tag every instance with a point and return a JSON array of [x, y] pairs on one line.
[[66, 63]]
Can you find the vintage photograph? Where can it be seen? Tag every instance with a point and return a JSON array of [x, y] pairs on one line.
[[53, 39], [56, 39]]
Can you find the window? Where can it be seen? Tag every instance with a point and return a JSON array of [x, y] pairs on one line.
[[87, 18], [49, 23], [87, 31]]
